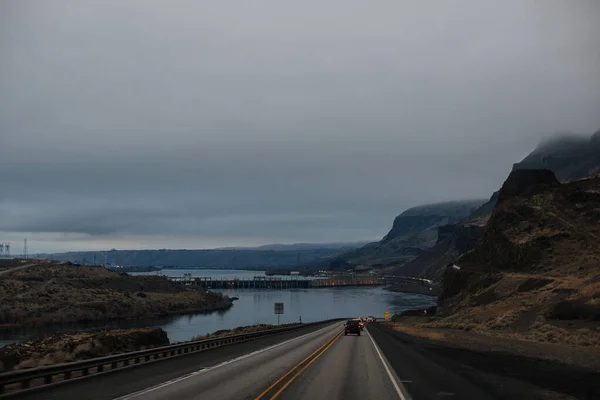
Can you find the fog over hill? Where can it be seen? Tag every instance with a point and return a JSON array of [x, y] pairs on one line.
[[148, 125]]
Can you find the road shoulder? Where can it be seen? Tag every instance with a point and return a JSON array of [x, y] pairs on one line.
[[497, 373]]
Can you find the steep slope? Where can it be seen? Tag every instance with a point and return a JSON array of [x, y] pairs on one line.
[[453, 240], [536, 271], [413, 231], [568, 156]]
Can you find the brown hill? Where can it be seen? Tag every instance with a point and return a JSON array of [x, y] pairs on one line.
[[67, 293], [536, 271], [568, 156]]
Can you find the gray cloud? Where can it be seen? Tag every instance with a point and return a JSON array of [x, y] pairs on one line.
[[141, 123]]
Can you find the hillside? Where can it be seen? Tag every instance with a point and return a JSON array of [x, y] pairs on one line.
[[343, 246], [413, 231], [216, 258], [568, 156], [453, 240], [536, 272], [56, 293]]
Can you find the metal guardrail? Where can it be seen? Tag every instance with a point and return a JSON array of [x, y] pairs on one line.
[[14, 382]]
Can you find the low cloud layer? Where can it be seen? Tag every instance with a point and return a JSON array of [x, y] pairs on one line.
[[141, 124]]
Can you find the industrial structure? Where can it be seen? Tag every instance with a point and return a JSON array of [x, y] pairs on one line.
[[4, 250]]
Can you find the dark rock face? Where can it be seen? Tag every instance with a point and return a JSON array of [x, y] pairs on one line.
[[407, 224], [453, 240], [524, 182], [568, 156], [465, 236]]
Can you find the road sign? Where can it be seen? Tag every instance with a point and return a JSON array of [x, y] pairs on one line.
[[386, 314], [278, 310]]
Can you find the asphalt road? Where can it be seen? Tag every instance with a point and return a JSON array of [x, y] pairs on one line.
[[121, 383], [315, 363], [322, 365]]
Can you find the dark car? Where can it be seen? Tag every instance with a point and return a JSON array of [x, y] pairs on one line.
[[352, 326]]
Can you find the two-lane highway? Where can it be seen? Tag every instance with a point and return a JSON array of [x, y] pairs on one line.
[[314, 363], [321, 365], [352, 368]]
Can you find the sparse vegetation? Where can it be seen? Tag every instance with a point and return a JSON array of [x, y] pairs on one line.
[[66, 293], [66, 347], [242, 329]]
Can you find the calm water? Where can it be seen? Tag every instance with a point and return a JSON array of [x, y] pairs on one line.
[[256, 306]]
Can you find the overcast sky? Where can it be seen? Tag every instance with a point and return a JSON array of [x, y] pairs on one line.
[[195, 124]]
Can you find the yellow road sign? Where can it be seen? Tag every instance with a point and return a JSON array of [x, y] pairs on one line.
[[386, 314]]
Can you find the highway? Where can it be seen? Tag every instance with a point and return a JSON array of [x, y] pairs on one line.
[[314, 363], [323, 365]]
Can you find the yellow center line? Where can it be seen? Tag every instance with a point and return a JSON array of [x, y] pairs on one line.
[[303, 368], [330, 340]]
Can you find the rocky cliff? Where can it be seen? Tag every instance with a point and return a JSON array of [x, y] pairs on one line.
[[413, 231], [453, 240], [568, 156], [536, 270]]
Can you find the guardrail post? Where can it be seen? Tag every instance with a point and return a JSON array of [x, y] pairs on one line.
[[85, 371], [25, 384], [125, 363], [1, 389], [47, 379], [113, 365], [136, 360], [100, 368]]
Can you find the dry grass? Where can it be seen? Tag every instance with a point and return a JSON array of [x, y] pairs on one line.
[[62, 294], [420, 332], [60, 348]]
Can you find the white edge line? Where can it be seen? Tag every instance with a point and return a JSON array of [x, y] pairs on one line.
[[400, 389], [206, 369]]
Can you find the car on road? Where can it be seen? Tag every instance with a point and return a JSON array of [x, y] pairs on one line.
[[352, 326], [361, 323]]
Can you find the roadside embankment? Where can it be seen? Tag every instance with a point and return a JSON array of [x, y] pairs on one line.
[[66, 347], [76, 346], [242, 329]]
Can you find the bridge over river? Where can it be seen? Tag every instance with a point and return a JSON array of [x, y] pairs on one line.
[[271, 282]]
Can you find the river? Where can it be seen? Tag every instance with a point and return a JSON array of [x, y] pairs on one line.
[[256, 306]]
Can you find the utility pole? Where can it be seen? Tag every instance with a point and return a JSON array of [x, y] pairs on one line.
[[25, 255]]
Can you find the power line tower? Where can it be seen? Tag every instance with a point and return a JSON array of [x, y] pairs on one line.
[[1, 249], [7, 249], [25, 254]]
